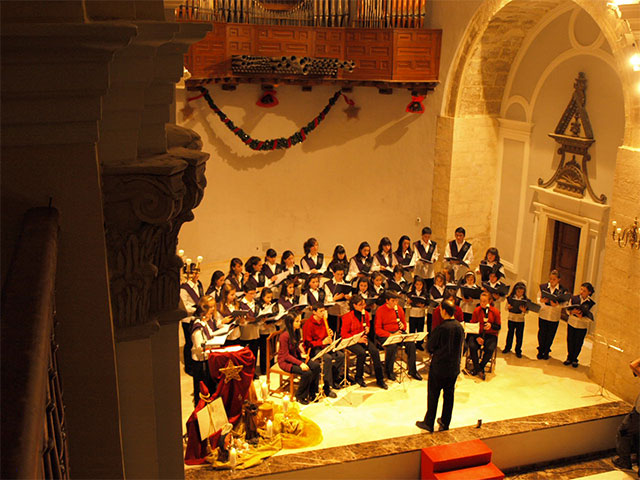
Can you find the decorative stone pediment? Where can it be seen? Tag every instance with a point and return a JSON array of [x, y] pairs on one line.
[[575, 136]]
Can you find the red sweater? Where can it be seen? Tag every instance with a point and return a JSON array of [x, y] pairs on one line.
[[386, 321], [494, 319], [314, 333], [436, 318], [288, 356], [351, 325]]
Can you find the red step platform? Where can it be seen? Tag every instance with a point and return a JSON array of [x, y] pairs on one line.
[[459, 461]]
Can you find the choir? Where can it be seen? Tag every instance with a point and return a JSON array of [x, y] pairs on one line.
[[371, 296]]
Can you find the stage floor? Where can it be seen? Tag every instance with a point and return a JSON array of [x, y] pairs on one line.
[[519, 387]]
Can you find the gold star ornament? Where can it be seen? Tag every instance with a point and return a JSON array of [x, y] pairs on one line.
[[231, 372]]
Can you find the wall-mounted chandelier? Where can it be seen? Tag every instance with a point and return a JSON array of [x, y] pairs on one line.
[[626, 236]]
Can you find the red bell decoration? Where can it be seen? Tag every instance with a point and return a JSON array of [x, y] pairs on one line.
[[416, 106], [268, 99]]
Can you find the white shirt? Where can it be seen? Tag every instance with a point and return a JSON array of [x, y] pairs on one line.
[[470, 305], [390, 258], [198, 338], [250, 331], [424, 269], [468, 257], [548, 312], [306, 268], [304, 298], [579, 322], [188, 302], [515, 317]]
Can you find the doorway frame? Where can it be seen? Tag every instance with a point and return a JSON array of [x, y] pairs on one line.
[[589, 217]]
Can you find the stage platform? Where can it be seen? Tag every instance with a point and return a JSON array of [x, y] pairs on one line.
[[523, 395]]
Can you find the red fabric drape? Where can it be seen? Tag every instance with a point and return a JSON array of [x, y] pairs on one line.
[[233, 394]]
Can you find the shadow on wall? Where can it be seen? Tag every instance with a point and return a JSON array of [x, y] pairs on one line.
[[394, 133], [335, 130], [258, 160]]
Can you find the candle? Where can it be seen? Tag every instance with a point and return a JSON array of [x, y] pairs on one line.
[[614, 223], [269, 429], [619, 230], [265, 391], [233, 457], [285, 403]]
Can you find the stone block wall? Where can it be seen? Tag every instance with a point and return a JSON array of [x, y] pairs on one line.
[[619, 297]]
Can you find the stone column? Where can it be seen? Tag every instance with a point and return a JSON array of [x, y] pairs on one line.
[[464, 181], [55, 70], [150, 188]]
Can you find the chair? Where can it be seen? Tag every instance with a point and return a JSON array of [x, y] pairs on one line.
[[286, 379], [490, 367]]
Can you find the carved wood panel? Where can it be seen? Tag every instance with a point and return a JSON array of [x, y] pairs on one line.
[[207, 56], [329, 43], [240, 39], [372, 50], [281, 41], [398, 55], [416, 54]]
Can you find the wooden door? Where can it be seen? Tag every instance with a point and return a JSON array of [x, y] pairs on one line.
[[564, 257]]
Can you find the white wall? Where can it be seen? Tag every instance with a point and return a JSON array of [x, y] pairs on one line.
[[352, 180], [540, 87]]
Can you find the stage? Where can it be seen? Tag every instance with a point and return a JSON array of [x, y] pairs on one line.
[[520, 387]]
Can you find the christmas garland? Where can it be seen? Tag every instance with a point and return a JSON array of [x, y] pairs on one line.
[[272, 144]]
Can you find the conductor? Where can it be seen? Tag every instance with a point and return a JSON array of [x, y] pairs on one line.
[[445, 346]]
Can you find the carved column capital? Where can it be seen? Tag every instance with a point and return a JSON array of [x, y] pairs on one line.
[[140, 203], [145, 205]]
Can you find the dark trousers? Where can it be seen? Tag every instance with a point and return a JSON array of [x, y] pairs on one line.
[[416, 324], [516, 328], [546, 333], [372, 329], [332, 364], [332, 321], [489, 346], [360, 351], [627, 437], [390, 352], [447, 386], [575, 340], [254, 346], [262, 347], [309, 379], [429, 320]]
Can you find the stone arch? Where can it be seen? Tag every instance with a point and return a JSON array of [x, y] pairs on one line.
[[478, 75]]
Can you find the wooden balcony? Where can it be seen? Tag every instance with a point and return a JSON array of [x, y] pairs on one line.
[[384, 57]]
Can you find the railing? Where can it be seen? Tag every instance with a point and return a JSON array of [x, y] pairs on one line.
[[33, 427], [310, 13]]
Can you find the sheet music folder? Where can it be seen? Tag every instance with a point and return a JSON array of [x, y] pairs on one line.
[[347, 342], [326, 349], [403, 338], [456, 259], [530, 306], [558, 298], [471, 292]]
